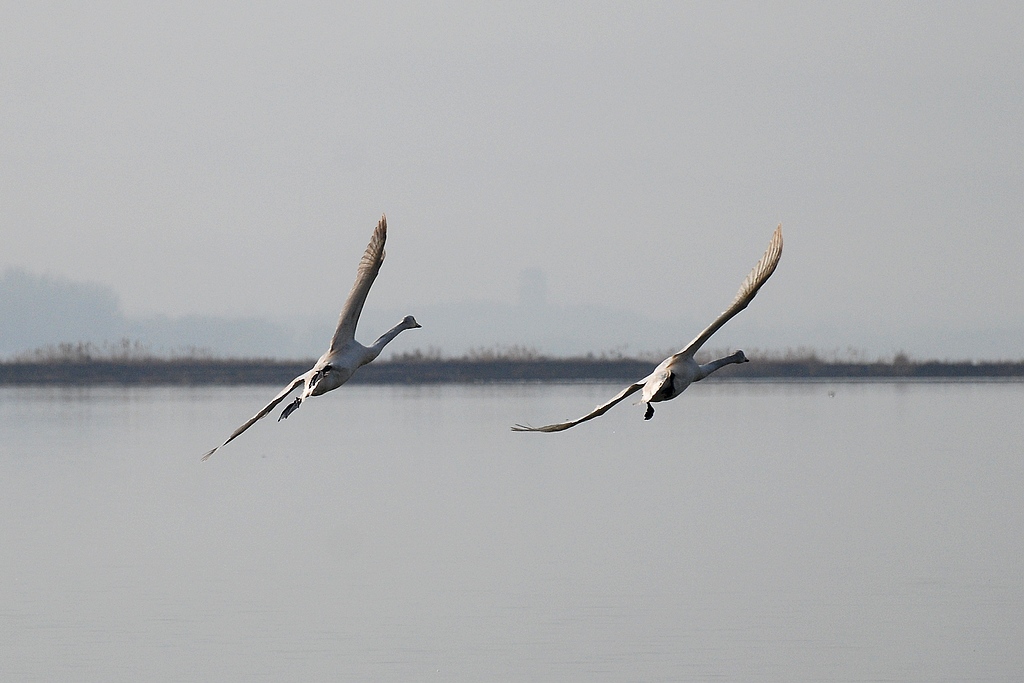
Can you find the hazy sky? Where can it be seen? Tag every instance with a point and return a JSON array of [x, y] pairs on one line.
[[232, 158]]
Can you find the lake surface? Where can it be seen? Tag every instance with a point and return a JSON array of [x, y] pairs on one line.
[[749, 532]]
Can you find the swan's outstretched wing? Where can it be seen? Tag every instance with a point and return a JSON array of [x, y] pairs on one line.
[[596, 412], [270, 406], [369, 266], [758, 276]]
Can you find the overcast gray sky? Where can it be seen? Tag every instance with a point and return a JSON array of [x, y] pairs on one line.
[[232, 158]]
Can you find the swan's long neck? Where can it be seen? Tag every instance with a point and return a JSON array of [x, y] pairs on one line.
[[378, 346], [708, 368]]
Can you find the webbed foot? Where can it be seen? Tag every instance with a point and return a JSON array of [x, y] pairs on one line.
[[292, 407], [649, 413]]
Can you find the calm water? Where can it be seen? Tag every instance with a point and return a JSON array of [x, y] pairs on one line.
[[750, 532]]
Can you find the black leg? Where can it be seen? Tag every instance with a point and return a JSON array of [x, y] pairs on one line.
[[319, 375], [292, 407], [650, 412]]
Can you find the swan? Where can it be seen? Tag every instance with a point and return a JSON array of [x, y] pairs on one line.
[[680, 370], [345, 355]]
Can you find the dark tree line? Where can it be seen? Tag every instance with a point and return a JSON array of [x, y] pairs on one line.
[[209, 371]]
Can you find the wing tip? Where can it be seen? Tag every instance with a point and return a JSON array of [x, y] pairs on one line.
[[380, 236], [546, 429]]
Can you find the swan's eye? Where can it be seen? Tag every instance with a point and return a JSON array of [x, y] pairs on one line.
[[327, 368]]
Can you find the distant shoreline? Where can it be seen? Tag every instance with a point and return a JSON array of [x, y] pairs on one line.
[[203, 372]]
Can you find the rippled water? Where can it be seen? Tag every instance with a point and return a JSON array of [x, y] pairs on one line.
[[750, 532]]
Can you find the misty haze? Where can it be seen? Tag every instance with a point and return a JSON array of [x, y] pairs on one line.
[[575, 178], [39, 311]]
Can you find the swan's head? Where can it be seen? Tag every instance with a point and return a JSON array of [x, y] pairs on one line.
[[410, 322], [740, 357]]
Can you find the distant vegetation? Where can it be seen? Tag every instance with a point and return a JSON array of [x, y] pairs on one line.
[[124, 351], [130, 362]]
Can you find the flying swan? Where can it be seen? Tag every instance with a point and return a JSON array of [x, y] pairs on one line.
[[346, 355], [680, 370]]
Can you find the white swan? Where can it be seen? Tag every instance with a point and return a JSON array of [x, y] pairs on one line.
[[680, 370], [346, 355]]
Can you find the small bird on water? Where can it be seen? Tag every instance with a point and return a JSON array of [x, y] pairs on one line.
[[674, 374], [345, 354]]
